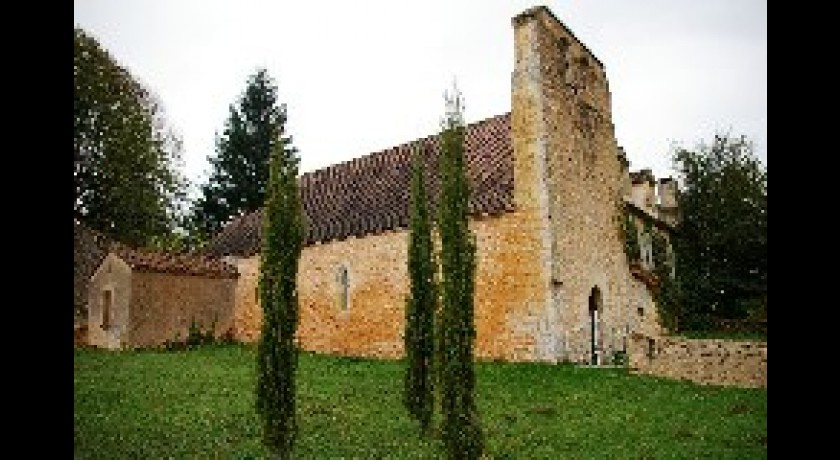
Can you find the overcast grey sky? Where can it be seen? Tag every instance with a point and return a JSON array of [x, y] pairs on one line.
[[358, 77]]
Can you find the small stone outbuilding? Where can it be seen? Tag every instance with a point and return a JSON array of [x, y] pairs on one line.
[[89, 249], [143, 298]]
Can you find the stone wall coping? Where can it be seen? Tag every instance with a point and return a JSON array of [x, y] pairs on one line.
[[535, 10]]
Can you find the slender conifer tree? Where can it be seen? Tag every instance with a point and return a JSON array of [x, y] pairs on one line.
[[277, 350], [421, 303], [461, 429]]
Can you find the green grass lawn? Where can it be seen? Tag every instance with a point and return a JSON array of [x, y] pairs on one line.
[[199, 404]]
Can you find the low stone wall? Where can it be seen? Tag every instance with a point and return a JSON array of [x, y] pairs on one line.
[[740, 363]]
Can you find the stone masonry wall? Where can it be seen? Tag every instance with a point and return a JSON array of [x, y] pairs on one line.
[[163, 306], [538, 265], [719, 362], [508, 303], [113, 275], [562, 89]]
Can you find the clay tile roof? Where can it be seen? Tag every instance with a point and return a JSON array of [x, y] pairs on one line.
[[370, 195], [148, 260]]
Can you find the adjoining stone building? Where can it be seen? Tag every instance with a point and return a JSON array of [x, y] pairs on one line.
[[549, 189], [143, 298], [89, 248]]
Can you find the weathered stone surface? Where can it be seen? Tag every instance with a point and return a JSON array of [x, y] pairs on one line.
[[540, 258], [508, 283], [150, 308], [573, 175], [706, 361], [163, 306], [537, 265], [89, 249], [112, 275]]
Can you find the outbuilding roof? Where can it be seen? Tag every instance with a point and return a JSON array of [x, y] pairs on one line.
[[148, 260]]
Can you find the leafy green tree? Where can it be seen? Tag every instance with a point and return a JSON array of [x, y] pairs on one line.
[[721, 240], [125, 159], [631, 238], [668, 292], [421, 303], [237, 183], [461, 428], [277, 351]]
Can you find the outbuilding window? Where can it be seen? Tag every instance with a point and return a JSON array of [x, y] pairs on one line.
[[107, 306]]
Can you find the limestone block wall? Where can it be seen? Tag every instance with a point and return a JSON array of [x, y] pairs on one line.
[[370, 323], [561, 89], [114, 276], [509, 302], [164, 304], [512, 289], [719, 362], [247, 315], [537, 266], [642, 316]]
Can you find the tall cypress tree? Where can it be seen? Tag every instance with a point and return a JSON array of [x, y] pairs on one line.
[[420, 305], [277, 350], [461, 430]]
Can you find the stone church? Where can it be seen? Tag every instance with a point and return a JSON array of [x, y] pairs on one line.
[[550, 187]]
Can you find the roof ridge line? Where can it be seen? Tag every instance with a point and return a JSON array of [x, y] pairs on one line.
[[395, 147]]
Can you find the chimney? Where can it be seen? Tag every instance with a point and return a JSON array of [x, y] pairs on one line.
[[667, 192], [624, 172], [668, 209], [642, 194]]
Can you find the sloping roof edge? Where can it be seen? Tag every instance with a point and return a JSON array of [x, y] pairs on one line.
[[154, 261], [369, 195]]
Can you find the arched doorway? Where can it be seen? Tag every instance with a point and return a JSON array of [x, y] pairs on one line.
[[595, 311]]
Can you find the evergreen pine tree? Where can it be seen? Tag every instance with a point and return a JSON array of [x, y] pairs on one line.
[[237, 184], [461, 429], [277, 350], [420, 305]]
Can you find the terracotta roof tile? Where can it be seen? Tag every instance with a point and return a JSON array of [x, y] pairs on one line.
[[370, 194], [148, 260]]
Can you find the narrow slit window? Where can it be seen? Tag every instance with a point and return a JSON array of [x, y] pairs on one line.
[[646, 244], [107, 301], [651, 348], [344, 288]]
